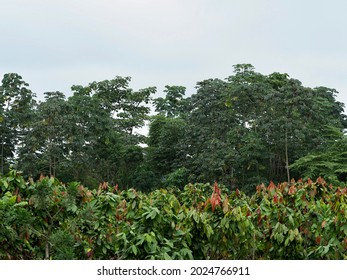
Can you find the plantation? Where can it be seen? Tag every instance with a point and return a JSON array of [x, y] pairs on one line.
[[46, 219]]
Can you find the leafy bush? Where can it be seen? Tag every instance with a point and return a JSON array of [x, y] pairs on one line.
[[47, 219]]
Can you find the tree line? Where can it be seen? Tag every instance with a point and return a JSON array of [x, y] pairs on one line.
[[240, 131]]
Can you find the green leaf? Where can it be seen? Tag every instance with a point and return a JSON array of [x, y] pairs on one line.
[[21, 204], [96, 225], [73, 208], [167, 257], [5, 185], [291, 220], [134, 249], [148, 238], [344, 228]]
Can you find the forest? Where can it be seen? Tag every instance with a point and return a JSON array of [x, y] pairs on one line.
[[213, 179], [241, 131]]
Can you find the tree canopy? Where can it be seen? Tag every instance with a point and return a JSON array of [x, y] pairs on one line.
[[241, 130]]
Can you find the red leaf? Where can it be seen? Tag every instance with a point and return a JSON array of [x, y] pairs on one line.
[[237, 192], [324, 224], [292, 190], [321, 181], [318, 239], [216, 197], [275, 198], [271, 186]]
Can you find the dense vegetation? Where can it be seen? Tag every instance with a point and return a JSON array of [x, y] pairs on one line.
[[155, 197], [47, 219], [241, 131]]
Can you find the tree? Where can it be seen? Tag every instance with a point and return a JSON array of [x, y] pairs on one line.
[[164, 144], [331, 163], [92, 142], [174, 102], [16, 113], [252, 127], [45, 150], [207, 152], [106, 114], [298, 118], [134, 112], [288, 119], [246, 98], [129, 108]]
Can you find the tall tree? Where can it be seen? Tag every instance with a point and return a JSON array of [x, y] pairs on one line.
[[16, 113], [92, 141], [299, 117], [106, 115], [207, 152], [289, 119], [45, 150], [164, 144], [129, 108]]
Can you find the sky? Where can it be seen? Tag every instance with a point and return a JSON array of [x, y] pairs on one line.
[[59, 43]]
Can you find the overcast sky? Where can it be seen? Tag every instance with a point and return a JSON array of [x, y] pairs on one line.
[[54, 44]]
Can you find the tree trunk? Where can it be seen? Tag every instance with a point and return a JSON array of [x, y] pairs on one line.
[[2, 156], [47, 250], [47, 247], [54, 164], [50, 166], [287, 160]]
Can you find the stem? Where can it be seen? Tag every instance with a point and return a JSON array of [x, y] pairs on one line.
[[47, 243], [253, 251], [47, 250]]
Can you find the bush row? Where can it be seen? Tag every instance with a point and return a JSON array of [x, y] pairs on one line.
[[47, 219]]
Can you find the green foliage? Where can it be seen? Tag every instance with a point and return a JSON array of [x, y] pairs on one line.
[[88, 137], [16, 116], [330, 163], [177, 178], [164, 150], [49, 220], [301, 220], [15, 228], [246, 129], [62, 244], [173, 104]]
